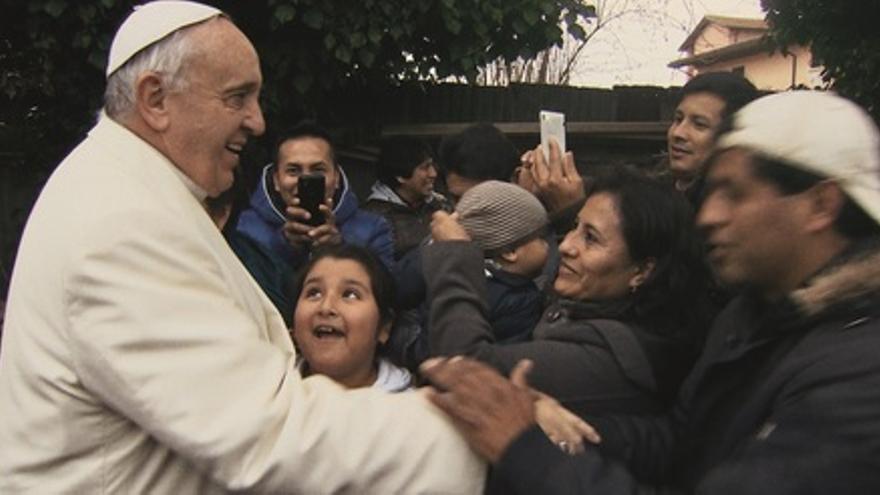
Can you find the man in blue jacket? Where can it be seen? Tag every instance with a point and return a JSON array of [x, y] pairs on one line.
[[273, 238], [784, 398]]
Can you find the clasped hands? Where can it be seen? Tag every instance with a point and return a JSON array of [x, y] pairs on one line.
[[492, 411]]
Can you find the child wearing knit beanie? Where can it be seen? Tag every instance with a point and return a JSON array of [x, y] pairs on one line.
[[509, 224]]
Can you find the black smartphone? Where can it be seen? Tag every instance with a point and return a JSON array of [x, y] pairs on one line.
[[310, 191]]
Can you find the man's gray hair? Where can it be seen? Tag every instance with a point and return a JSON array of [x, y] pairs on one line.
[[167, 57]]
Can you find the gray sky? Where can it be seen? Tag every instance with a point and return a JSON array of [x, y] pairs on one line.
[[635, 49]]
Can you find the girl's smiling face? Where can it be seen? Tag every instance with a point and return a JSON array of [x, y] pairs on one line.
[[337, 325]]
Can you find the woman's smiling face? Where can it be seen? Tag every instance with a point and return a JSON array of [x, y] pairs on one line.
[[595, 263]]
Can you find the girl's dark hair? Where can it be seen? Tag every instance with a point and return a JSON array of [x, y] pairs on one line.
[[657, 223], [381, 282]]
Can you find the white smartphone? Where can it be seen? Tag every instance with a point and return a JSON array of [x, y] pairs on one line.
[[552, 127]]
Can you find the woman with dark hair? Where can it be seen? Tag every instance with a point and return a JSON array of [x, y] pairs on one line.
[[630, 304], [344, 311]]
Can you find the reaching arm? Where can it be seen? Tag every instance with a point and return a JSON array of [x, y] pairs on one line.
[[494, 415], [157, 336], [576, 373]]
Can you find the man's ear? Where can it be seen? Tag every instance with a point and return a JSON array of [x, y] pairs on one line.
[[643, 270], [275, 171], [509, 256], [151, 102], [825, 201]]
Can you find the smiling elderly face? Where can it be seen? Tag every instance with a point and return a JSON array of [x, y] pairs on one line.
[[215, 113]]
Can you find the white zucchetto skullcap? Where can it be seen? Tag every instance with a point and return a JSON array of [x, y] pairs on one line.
[[151, 22]]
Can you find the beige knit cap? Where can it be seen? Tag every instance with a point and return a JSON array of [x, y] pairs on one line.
[[500, 215]]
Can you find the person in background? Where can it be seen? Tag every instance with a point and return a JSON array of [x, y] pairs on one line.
[[277, 227], [705, 101], [404, 193], [478, 153], [508, 224], [630, 308], [344, 297], [138, 354], [784, 395]]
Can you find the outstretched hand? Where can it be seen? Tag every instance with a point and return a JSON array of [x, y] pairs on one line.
[[556, 181], [489, 410]]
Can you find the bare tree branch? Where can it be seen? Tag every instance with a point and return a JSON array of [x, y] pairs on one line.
[[556, 65]]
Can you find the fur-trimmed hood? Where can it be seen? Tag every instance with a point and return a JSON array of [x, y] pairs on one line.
[[269, 208], [854, 275], [382, 192]]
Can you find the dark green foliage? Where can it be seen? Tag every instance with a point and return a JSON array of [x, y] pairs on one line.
[[52, 55], [843, 36]]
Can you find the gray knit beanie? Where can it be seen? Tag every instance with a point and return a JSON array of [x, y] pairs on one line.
[[500, 215]]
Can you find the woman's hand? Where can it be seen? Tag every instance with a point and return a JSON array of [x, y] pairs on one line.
[[563, 427], [555, 181], [445, 227]]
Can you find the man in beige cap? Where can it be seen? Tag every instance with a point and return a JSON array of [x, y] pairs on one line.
[[784, 398], [138, 355]]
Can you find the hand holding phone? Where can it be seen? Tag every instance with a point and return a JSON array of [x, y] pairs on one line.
[[556, 182], [310, 191], [552, 127]]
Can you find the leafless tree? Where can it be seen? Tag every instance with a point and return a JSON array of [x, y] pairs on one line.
[[557, 65]]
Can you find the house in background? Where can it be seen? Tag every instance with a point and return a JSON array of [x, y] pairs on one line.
[[740, 45]]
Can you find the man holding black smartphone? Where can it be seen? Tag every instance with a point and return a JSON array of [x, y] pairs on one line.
[[303, 201]]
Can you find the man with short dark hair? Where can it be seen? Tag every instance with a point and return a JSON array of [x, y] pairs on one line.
[[404, 192], [276, 228], [784, 398], [704, 103]]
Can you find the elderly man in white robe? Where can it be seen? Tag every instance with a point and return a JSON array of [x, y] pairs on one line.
[[138, 355]]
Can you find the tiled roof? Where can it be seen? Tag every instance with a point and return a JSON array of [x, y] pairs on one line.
[[746, 23]]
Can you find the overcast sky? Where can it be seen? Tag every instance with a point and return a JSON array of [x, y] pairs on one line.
[[635, 49]]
